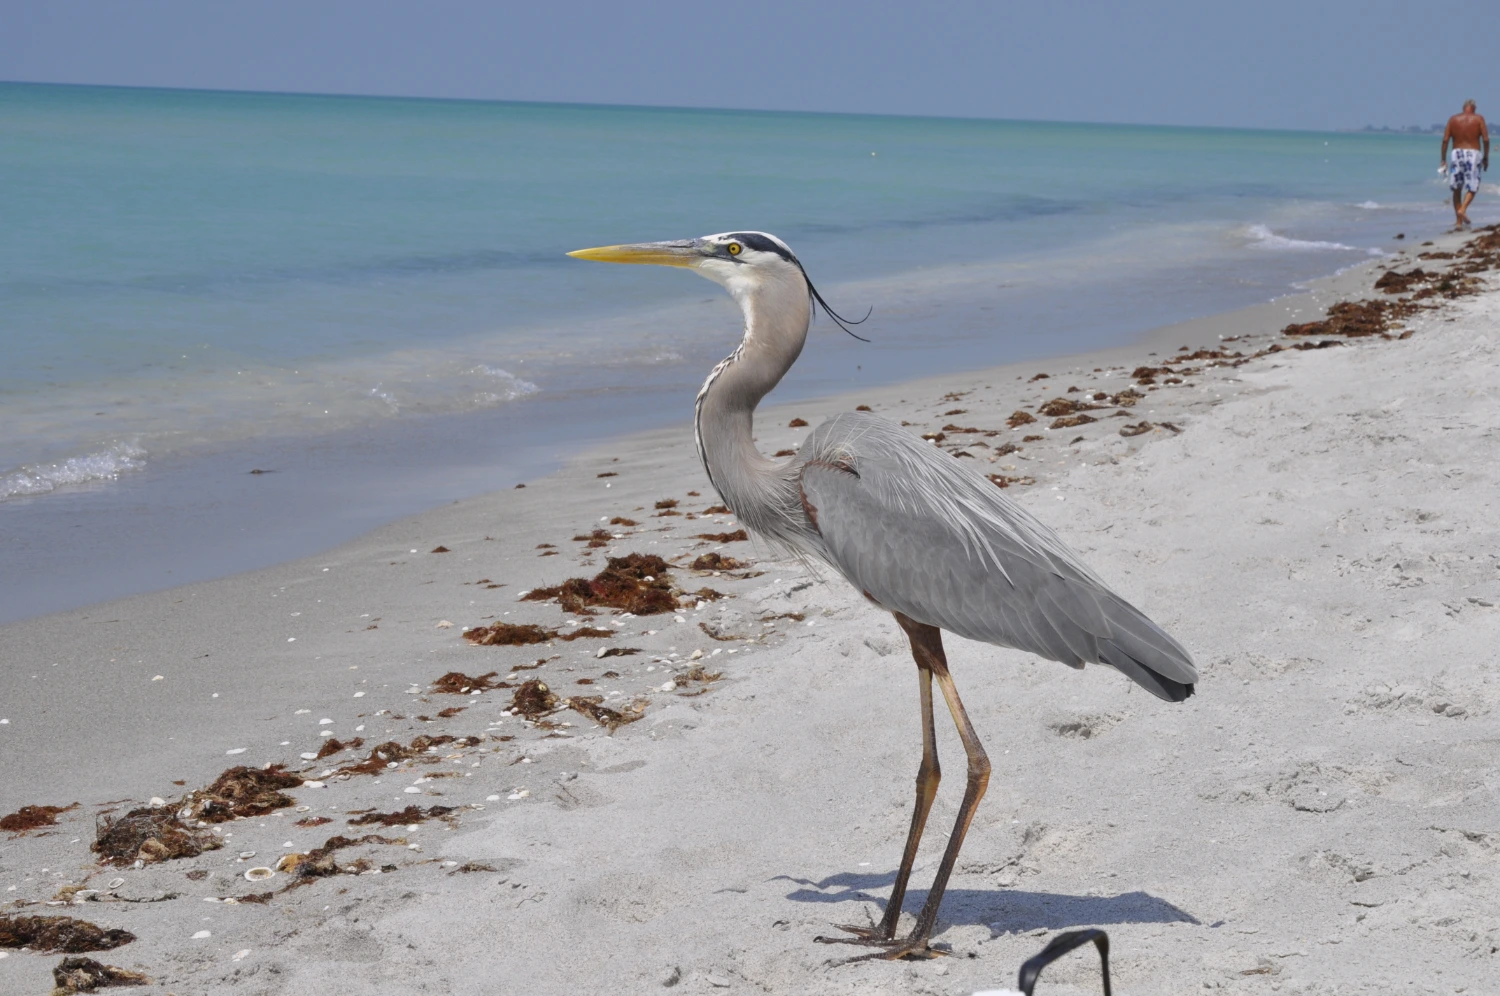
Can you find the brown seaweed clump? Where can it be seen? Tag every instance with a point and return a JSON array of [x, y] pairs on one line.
[[150, 834], [404, 817], [319, 862], [716, 562], [1058, 407], [458, 683], [84, 975], [1070, 421], [1351, 319], [59, 933], [637, 583], [1137, 429], [797, 423], [534, 699], [241, 792], [383, 755], [594, 708], [1392, 282], [595, 539], [333, 745], [1002, 481], [503, 634], [33, 818], [738, 536], [1019, 418]]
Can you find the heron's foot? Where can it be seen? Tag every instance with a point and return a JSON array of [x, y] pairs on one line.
[[889, 948], [872, 932]]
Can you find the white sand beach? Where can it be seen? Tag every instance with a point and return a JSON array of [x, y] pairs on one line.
[[1318, 526]]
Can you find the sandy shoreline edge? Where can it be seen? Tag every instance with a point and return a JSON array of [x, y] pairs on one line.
[[1311, 817]]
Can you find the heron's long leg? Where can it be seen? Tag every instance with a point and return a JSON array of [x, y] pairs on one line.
[[927, 649], [979, 778], [929, 773]]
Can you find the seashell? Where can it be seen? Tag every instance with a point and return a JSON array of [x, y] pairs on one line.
[[259, 874], [312, 784], [287, 863], [200, 935], [303, 809], [240, 955], [308, 755], [156, 801], [115, 883], [668, 686], [444, 624], [246, 854], [411, 790]]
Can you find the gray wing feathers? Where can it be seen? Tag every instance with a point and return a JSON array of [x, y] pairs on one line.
[[926, 536]]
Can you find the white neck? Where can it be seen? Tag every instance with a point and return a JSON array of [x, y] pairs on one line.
[[777, 314]]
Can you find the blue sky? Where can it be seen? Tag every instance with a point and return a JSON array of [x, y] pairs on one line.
[[1271, 63]]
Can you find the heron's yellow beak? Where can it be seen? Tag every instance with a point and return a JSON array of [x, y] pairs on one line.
[[682, 253]]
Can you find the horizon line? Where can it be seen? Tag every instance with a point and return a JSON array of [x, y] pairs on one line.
[[677, 107]]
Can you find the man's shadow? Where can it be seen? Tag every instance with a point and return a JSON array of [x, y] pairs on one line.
[[1004, 911]]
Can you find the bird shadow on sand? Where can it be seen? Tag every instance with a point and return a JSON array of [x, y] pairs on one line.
[[1004, 911]]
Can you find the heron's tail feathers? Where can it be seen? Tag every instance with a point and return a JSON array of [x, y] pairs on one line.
[[1159, 685], [1148, 655]]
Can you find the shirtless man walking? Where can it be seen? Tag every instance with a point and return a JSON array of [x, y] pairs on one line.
[[1467, 130]]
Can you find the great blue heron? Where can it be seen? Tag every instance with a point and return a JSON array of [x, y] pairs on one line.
[[915, 531]]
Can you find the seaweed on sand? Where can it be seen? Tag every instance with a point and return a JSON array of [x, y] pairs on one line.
[[59, 933], [637, 583], [33, 818], [84, 975]]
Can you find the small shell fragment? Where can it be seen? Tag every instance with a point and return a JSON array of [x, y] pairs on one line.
[[240, 955], [156, 801], [200, 935], [259, 874], [115, 883], [444, 624]]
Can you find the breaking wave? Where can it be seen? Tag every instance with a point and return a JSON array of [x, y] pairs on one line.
[[40, 478], [1262, 237]]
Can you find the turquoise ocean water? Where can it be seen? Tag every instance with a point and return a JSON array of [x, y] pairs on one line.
[[370, 294]]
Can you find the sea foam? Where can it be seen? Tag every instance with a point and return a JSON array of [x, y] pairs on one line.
[[1262, 237], [105, 465]]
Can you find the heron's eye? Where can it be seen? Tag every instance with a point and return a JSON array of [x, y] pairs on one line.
[[734, 248]]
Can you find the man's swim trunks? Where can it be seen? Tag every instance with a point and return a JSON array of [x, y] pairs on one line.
[[1463, 170]]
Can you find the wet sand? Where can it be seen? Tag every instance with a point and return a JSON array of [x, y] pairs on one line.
[[1316, 525]]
